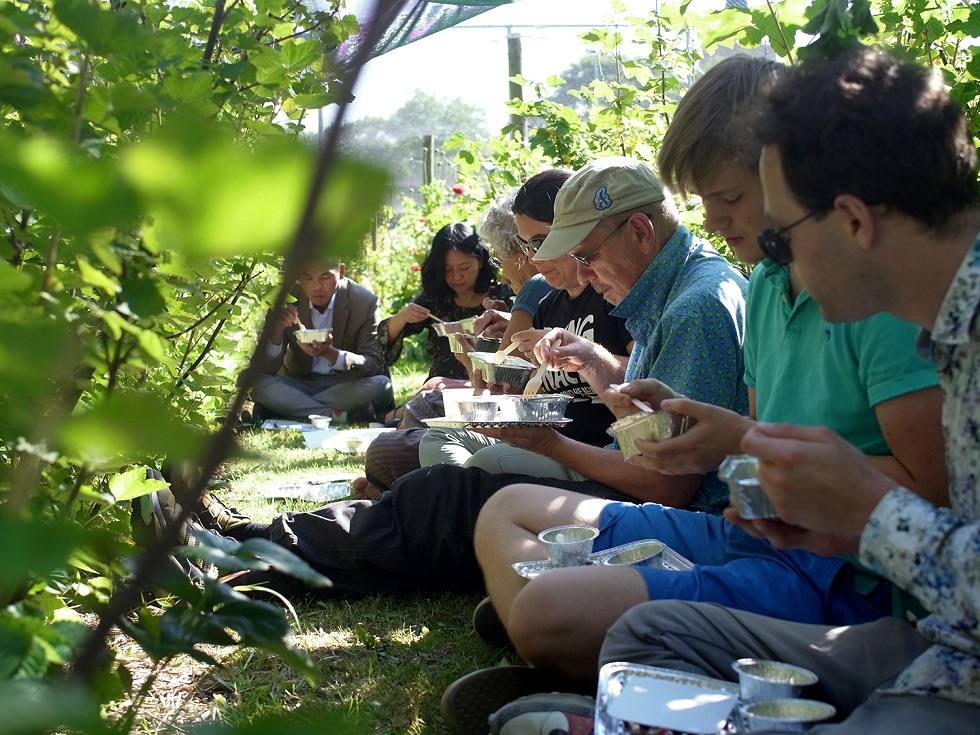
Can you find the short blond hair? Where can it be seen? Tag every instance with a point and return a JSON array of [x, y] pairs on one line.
[[709, 128]]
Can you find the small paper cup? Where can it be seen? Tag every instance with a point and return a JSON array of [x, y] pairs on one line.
[[569, 546], [760, 680], [319, 421], [784, 715]]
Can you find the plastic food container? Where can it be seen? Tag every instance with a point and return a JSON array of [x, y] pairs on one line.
[[656, 426], [744, 491], [547, 407], [313, 335]]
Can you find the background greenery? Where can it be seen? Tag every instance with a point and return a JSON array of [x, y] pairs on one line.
[[155, 183]]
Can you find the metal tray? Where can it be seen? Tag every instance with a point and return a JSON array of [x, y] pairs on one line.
[[459, 424], [671, 560], [646, 699]]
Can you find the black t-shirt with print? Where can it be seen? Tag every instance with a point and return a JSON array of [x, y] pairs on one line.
[[588, 316]]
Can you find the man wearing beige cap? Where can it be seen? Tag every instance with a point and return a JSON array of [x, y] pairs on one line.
[[683, 305]]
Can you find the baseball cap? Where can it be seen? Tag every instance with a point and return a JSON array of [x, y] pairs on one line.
[[598, 190]]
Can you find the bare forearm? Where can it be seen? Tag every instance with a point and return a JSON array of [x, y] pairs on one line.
[[604, 369], [607, 466]]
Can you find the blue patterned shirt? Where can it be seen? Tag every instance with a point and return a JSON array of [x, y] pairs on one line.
[[687, 315], [934, 553]]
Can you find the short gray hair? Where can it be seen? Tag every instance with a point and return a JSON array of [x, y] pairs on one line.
[[497, 227]]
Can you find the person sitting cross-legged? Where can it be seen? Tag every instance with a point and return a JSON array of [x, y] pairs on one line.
[[864, 380], [341, 374]]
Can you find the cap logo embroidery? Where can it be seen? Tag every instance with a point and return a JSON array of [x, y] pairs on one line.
[[602, 200]]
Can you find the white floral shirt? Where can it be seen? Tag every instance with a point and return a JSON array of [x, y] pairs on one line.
[[934, 553]]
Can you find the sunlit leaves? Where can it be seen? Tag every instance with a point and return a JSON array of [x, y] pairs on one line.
[[37, 546], [105, 31], [130, 425], [213, 198], [80, 192], [49, 706], [133, 484]]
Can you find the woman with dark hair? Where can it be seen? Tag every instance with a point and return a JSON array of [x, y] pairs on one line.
[[457, 275]]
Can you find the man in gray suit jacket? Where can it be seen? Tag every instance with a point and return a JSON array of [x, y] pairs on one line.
[[344, 372]]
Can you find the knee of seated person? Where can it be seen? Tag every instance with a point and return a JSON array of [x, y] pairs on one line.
[[540, 629]]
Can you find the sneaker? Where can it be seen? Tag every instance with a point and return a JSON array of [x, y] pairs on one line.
[[487, 625], [469, 701], [545, 714]]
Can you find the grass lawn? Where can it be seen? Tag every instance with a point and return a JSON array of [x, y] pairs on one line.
[[384, 661]]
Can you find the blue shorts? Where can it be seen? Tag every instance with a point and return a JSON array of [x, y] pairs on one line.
[[736, 570]]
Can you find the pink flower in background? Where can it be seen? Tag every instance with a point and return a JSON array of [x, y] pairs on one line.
[[415, 267], [423, 220], [459, 189]]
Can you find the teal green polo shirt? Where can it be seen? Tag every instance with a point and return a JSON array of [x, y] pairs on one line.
[[808, 371]]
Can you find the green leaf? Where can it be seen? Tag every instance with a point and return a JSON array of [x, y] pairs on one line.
[[141, 295], [133, 484], [81, 192], [15, 644], [56, 705], [107, 32], [35, 546], [256, 553], [298, 54], [313, 101], [95, 277], [131, 425]]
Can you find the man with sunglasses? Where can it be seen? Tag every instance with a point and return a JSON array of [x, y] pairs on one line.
[[885, 400], [892, 225]]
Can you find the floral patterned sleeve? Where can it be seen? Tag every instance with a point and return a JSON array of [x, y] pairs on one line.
[[930, 552]]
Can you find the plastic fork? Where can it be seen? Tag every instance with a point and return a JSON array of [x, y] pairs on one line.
[[534, 384], [499, 355], [635, 401]]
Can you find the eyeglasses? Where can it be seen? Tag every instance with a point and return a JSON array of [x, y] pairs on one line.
[[589, 258], [530, 247], [775, 242]]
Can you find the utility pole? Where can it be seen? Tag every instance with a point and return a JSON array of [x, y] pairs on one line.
[[516, 91], [428, 158]]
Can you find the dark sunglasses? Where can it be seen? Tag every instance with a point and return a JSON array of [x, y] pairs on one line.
[[775, 242]]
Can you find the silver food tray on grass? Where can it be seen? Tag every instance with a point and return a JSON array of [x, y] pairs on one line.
[[644, 699], [460, 424], [671, 560]]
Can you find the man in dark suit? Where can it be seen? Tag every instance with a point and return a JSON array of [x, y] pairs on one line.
[[342, 373]]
